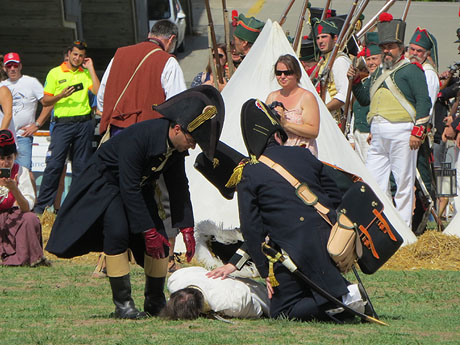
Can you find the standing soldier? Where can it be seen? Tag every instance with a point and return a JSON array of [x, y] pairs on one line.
[[398, 114], [326, 33], [246, 33]]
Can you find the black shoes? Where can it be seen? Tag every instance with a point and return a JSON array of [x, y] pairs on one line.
[[124, 304], [155, 299]]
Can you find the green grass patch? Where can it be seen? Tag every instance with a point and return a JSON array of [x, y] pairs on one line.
[[64, 305]]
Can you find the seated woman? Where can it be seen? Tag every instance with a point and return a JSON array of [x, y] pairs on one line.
[[194, 294], [206, 77], [20, 229], [299, 112]]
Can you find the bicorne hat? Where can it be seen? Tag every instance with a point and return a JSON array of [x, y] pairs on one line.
[[258, 123], [199, 111]]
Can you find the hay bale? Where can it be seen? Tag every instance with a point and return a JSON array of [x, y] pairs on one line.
[[433, 250]]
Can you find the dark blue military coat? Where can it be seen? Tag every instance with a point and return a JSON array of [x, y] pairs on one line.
[[125, 166], [269, 206]]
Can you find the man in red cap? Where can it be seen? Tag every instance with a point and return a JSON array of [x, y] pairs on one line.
[[27, 92]]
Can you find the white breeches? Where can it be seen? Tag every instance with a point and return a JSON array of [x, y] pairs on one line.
[[361, 145], [390, 152]]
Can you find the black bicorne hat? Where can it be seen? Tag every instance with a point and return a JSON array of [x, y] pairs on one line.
[[200, 111], [258, 123], [7, 143]]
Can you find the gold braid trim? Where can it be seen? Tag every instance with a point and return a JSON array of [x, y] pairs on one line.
[[237, 174], [208, 113], [271, 273]]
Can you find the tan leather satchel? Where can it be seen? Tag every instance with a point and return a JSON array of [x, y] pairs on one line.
[[344, 245]]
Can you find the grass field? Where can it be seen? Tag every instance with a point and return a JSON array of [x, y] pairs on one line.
[[62, 304]]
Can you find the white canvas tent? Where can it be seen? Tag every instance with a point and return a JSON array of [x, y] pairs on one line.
[[254, 78], [454, 226]]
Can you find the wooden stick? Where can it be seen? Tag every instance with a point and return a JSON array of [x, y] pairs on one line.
[[351, 28], [231, 66], [345, 115], [214, 44], [326, 8], [283, 17], [374, 19], [406, 10], [298, 33]]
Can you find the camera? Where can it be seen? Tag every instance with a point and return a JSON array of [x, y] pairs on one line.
[[5, 172]]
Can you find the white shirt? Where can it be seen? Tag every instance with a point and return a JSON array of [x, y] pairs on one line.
[[432, 81], [339, 71], [27, 92], [234, 297], [172, 81]]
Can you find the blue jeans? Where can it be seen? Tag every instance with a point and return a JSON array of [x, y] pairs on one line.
[[24, 157]]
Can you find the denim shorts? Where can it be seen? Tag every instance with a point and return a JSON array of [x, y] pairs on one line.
[[24, 157]]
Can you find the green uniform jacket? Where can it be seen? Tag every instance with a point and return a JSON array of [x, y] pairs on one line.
[[360, 114], [411, 81]]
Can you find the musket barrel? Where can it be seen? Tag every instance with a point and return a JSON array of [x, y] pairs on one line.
[[374, 19], [214, 43], [284, 16], [298, 33]]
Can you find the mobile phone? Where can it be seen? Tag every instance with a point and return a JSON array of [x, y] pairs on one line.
[[77, 87], [5, 172]]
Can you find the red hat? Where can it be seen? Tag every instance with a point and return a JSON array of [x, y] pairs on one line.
[[11, 57]]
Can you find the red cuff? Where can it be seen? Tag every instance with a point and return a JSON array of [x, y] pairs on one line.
[[418, 131], [357, 80]]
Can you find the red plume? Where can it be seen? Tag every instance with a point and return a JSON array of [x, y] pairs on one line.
[[234, 17], [385, 17]]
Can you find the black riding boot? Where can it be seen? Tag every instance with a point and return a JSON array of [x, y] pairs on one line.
[[155, 299], [124, 304]]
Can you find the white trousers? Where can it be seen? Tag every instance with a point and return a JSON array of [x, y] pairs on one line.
[[361, 145], [389, 152]]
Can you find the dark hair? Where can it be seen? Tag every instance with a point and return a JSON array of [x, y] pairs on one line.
[[184, 304], [7, 143], [164, 28], [3, 75], [221, 46], [81, 45], [291, 63]]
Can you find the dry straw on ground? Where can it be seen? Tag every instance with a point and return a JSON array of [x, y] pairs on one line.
[[433, 250]]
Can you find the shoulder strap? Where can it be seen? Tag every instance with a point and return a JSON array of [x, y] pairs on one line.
[[302, 189], [385, 74], [134, 73]]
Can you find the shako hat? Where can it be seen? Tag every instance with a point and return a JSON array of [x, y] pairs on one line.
[[307, 49], [200, 111], [390, 30], [258, 123], [248, 29], [7, 143]]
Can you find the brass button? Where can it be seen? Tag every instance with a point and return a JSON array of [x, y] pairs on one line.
[[154, 168], [302, 219]]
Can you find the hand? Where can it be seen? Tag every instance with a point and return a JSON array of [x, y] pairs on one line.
[[369, 138], [270, 290], [448, 120], [154, 243], [29, 130], [449, 133], [222, 271], [9, 183], [87, 63], [189, 240], [352, 72], [67, 92], [414, 142]]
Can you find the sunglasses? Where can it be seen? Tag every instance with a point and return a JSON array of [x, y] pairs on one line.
[[287, 73], [80, 43], [11, 65], [221, 55]]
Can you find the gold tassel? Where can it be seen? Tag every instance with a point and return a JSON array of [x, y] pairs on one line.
[[253, 159], [215, 163], [271, 275], [237, 174]]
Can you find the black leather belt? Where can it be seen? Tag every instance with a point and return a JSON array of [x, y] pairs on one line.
[[72, 119]]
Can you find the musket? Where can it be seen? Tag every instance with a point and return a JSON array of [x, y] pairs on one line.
[[325, 75], [213, 48], [298, 32], [287, 262], [351, 28], [231, 67], [373, 21], [346, 113], [326, 8], [406, 10], [213, 65], [283, 17]]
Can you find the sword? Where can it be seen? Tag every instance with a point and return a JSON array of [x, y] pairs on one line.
[[291, 266]]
